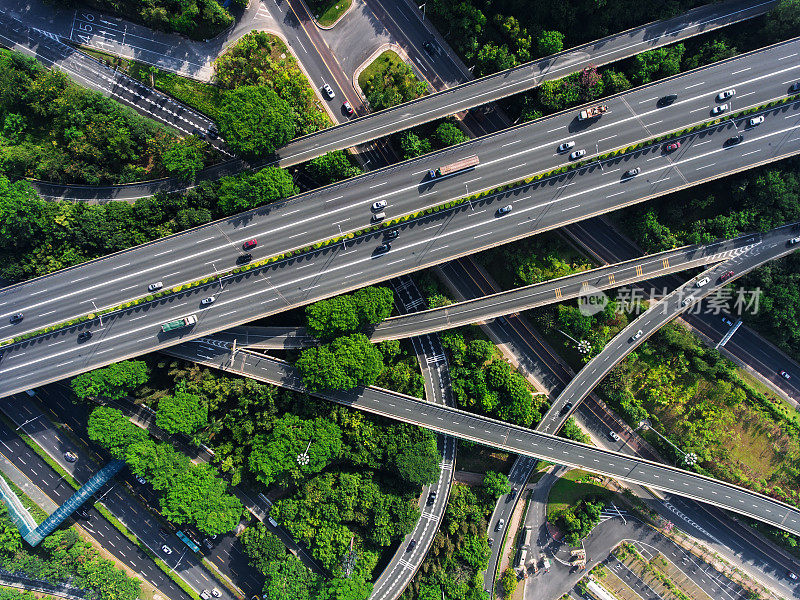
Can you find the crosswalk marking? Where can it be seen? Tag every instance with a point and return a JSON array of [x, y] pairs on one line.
[[665, 262], [611, 278], [639, 270], [558, 293]]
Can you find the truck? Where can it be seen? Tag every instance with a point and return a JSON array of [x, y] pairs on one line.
[[179, 323], [592, 112], [523, 554], [526, 537], [464, 164]]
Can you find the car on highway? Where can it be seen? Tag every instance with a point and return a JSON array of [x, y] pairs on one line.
[[733, 140], [673, 146], [205, 595], [411, 545], [207, 301], [164, 530], [153, 287], [785, 375], [347, 108], [667, 100], [70, 456], [328, 91], [687, 300], [791, 576], [84, 335], [378, 216], [244, 258], [756, 121], [250, 244], [513, 493], [633, 172], [504, 209], [727, 321], [703, 281], [795, 87], [726, 94], [614, 436], [378, 205], [490, 542], [216, 593], [726, 275], [577, 154], [794, 240], [13, 319], [566, 146], [429, 48], [431, 498], [213, 133], [500, 525], [719, 109], [567, 407], [391, 235], [198, 133], [636, 335], [383, 248]]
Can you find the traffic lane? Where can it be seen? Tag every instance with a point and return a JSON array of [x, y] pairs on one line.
[[334, 269], [515, 439], [122, 505], [506, 83], [60, 491], [678, 301], [105, 283]]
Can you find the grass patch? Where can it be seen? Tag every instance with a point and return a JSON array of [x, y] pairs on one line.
[[479, 459], [203, 97], [571, 488], [388, 81], [328, 12]]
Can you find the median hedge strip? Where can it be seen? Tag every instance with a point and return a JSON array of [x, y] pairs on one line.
[[403, 219]]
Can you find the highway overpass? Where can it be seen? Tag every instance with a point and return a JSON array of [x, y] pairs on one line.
[[771, 245], [543, 205], [323, 214], [507, 437]]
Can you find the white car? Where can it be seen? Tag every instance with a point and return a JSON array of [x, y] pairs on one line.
[[703, 281], [216, 593], [566, 146], [155, 286], [499, 525], [756, 121], [636, 335], [719, 109], [205, 595], [166, 549], [328, 91], [141, 480], [725, 95], [794, 240], [687, 300], [207, 301], [614, 436], [633, 172], [577, 154], [504, 209], [380, 204]]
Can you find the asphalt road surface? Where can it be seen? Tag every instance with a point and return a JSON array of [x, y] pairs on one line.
[[505, 157], [405, 563], [507, 437], [765, 246]]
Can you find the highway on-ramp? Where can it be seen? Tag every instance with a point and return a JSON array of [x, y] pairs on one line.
[[345, 207], [505, 436], [540, 206]]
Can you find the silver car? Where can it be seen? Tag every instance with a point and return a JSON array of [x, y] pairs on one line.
[[207, 301], [566, 146], [577, 154]]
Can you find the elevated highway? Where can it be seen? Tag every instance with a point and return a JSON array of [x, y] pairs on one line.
[[425, 241]]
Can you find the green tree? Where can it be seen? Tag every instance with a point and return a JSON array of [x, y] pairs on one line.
[[182, 413], [331, 167], [351, 588], [114, 381], [710, 52], [242, 192], [345, 314], [262, 546], [112, 430], [274, 455], [783, 21], [255, 121], [344, 364], [419, 465], [657, 63], [550, 42], [411, 145], [10, 538], [448, 134], [496, 484], [492, 58], [289, 579], [615, 82], [508, 582], [184, 158]]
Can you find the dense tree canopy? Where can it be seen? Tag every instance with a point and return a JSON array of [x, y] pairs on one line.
[[389, 81], [181, 413], [496, 484], [330, 168], [255, 121], [114, 381], [262, 546], [243, 192], [345, 363], [349, 313]]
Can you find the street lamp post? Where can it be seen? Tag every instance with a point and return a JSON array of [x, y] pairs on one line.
[[218, 276], [28, 421], [422, 8], [303, 459], [98, 313], [689, 458]]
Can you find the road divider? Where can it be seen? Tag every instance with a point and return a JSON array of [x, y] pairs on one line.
[[404, 219]]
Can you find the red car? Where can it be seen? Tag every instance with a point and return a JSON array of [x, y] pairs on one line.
[[726, 275], [347, 108], [673, 146], [250, 244]]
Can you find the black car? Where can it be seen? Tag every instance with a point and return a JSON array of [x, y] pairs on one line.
[[567, 408], [390, 235], [732, 141], [431, 498], [244, 258], [383, 248], [15, 318], [213, 133], [84, 335], [667, 100], [429, 48], [411, 545]]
